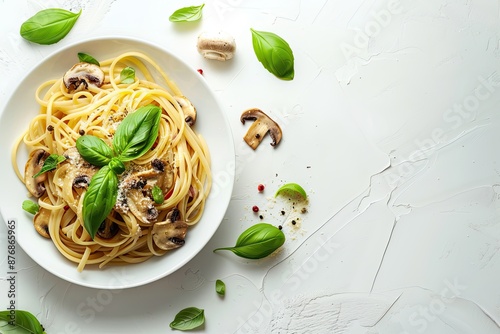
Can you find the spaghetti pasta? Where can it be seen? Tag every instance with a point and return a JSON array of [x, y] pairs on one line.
[[178, 163]]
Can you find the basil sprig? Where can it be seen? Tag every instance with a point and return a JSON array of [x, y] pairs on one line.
[[257, 242], [188, 318], [86, 58], [49, 26], [116, 165], [134, 136], [187, 14], [20, 321], [274, 53]]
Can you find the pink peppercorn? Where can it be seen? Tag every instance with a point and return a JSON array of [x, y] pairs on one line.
[[255, 208]]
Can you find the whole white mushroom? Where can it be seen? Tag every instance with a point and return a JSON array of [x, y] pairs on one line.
[[216, 45]]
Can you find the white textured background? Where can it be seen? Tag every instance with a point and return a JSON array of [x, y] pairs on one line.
[[391, 124]]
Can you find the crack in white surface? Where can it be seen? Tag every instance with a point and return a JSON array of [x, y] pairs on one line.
[[330, 313], [383, 255], [376, 313]]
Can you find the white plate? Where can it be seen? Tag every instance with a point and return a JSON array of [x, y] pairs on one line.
[[211, 123]]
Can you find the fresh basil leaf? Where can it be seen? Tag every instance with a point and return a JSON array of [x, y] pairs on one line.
[[220, 287], [157, 195], [31, 207], [274, 53], [187, 14], [94, 150], [293, 190], [127, 75], [258, 241], [116, 166], [99, 199], [188, 318], [137, 133], [18, 321], [49, 26], [86, 58], [50, 163]]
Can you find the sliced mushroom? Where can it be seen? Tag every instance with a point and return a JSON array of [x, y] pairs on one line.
[[81, 181], [174, 215], [34, 164], [158, 165], [147, 179], [219, 46], [142, 206], [108, 229], [82, 76], [165, 177], [41, 222], [135, 186], [170, 234], [261, 126], [188, 109], [72, 155], [79, 172]]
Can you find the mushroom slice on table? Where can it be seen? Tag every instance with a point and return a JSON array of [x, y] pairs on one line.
[[261, 126], [34, 164], [41, 222], [171, 233], [82, 76], [218, 46], [188, 109]]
